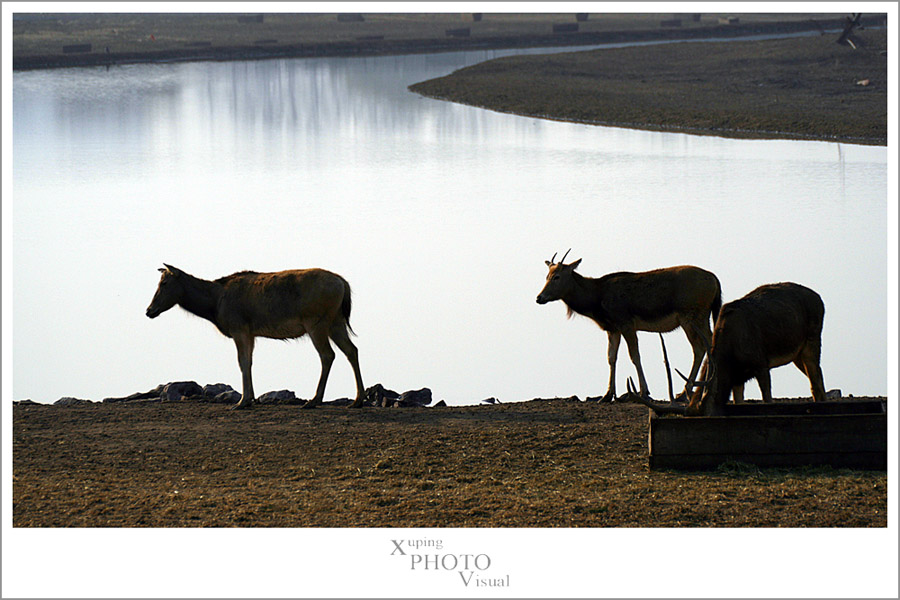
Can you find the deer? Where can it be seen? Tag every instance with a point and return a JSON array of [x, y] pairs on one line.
[[624, 303], [282, 305], [771, 326]]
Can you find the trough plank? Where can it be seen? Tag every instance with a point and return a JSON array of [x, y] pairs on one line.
[[843, 407], [840, 440], [873, 461]]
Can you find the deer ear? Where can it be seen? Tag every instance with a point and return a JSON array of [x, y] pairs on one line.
[[575, 264], [171, 269], [548, 263]]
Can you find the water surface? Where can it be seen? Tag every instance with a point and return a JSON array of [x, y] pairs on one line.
[[440, 215]]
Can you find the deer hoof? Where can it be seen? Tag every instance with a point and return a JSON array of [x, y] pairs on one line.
[[242, 406], [310, 404], [607, 397]]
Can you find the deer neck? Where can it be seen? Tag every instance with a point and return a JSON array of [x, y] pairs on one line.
[[583, 298], [201, 297]]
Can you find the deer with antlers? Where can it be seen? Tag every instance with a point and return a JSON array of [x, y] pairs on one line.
[[282, 305], [624, 303], [773, 325]]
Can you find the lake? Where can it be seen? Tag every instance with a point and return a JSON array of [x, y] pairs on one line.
[[441, 217]]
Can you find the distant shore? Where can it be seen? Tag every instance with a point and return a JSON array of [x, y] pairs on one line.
[[59, 40], [797, 88]]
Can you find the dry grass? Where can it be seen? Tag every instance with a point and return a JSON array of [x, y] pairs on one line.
[[545, 463]]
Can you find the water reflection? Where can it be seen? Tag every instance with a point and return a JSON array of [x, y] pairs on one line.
[[440, 216]]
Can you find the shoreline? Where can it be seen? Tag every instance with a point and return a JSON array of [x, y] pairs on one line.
[[748, 134], [801, 88], [697, 94], [208, 51], [287, 398]]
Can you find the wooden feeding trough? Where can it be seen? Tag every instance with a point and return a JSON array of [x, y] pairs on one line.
[[845, 434]]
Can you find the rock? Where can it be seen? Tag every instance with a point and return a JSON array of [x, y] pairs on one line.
[[67, 401], [339, 402], [415, 398], [227, 397], [490, 400], [441, 403], [26, 402], [378, 395], [569, 399], [155, 393], [179, 390], [211, 390], [833, 395], [279, 397], [222, 393]]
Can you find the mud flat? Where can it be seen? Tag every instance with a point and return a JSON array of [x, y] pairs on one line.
[[799, 88], [541, 463]]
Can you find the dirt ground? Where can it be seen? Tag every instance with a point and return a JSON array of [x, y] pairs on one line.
[[542, 463]]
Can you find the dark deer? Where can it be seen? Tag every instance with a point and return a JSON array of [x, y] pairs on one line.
[[771, 326], [283, 305], [624, 303]]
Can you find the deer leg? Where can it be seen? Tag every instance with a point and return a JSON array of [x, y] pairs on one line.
[[342, 339], [632, 342], [700, 339], [765, 384], [737, 392], [244, 345], [612, 353], [808, 362], [319, 339]]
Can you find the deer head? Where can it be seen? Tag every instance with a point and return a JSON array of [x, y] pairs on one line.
[[168, 292], [560, 279]]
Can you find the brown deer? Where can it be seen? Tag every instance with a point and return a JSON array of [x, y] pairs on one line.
[[282, 305], [771, 326], [624, 303]]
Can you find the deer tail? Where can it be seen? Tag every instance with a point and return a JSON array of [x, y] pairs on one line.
[[716, 306], [346, 306]]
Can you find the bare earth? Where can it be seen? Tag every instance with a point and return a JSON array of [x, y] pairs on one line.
[[543, 463]]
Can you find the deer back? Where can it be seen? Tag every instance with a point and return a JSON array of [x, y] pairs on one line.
[[279, 304]]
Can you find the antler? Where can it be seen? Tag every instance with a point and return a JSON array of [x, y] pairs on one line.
[[553, 259], [668, 369], [710, 374], [563, 259], [658, 408], [710, 371]]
